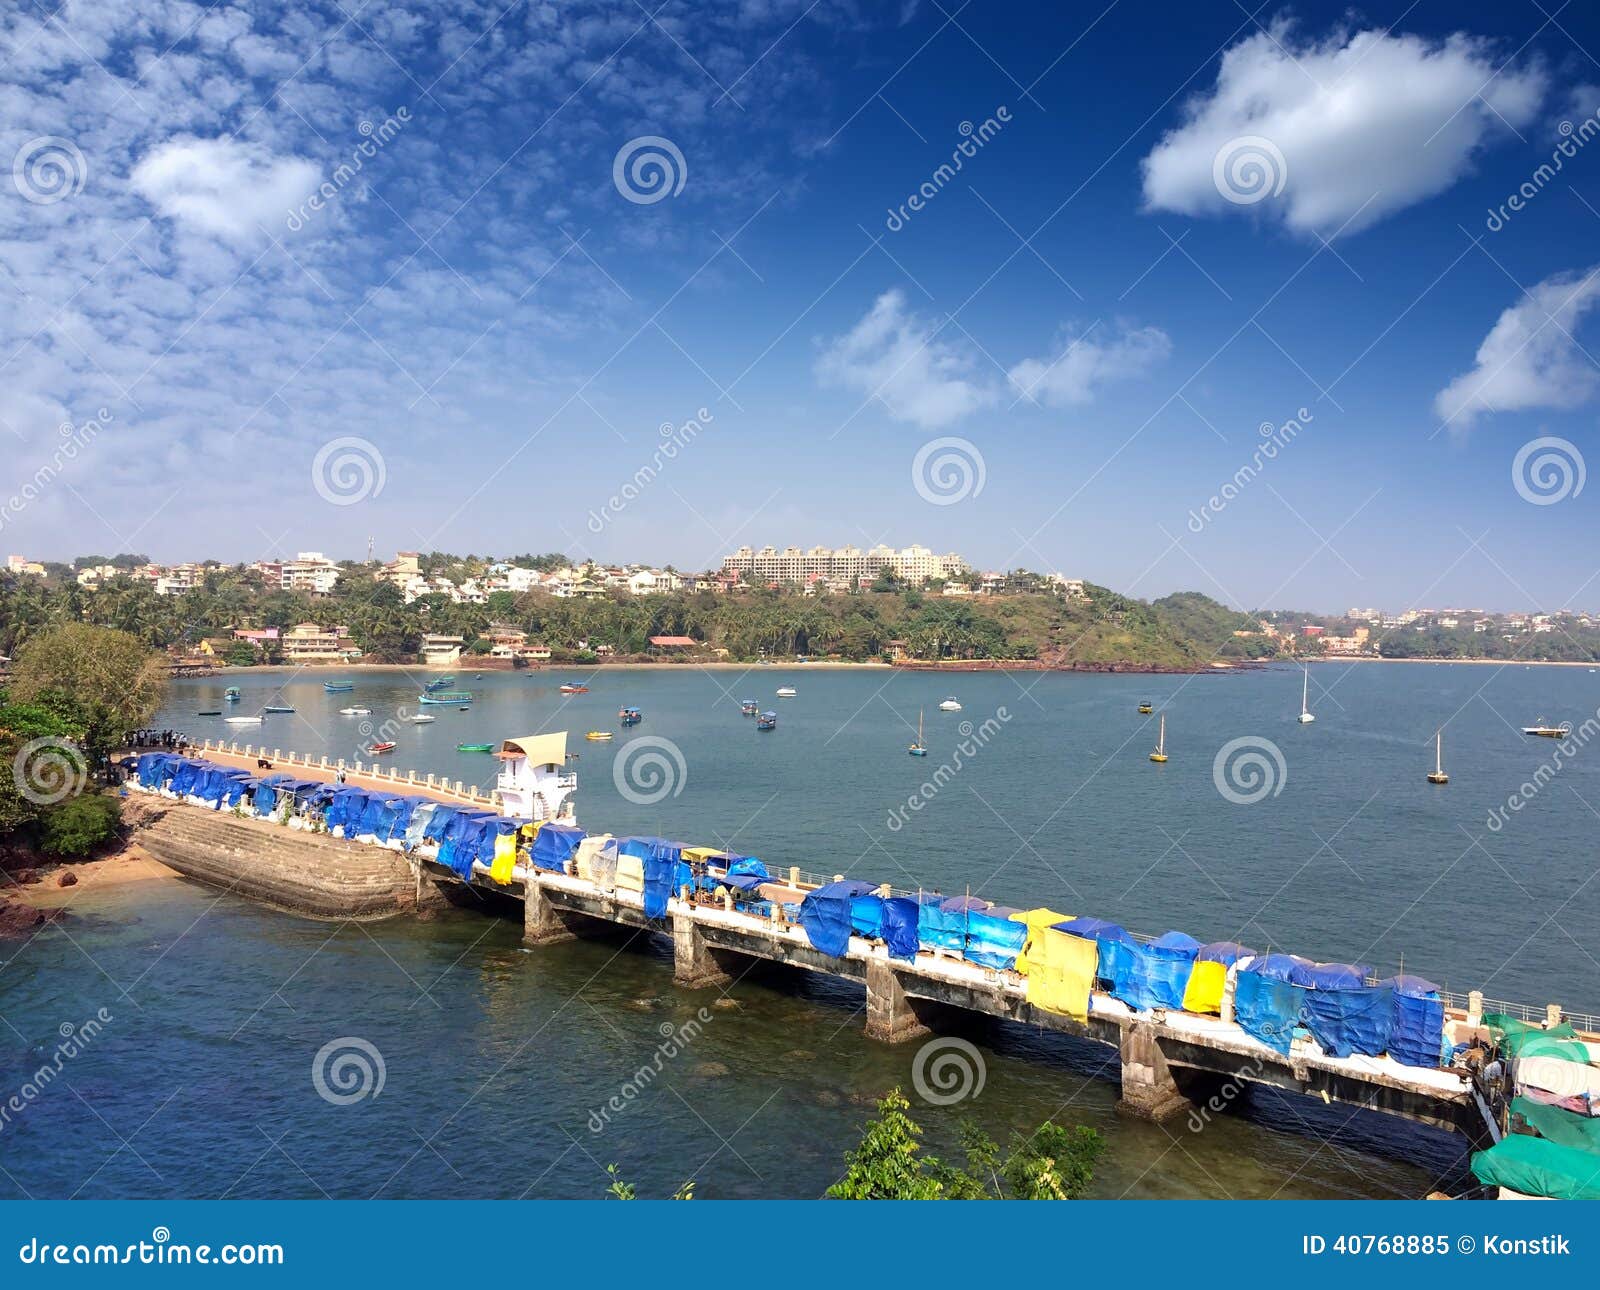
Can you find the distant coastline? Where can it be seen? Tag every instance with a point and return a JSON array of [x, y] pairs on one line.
[[1476, 662]]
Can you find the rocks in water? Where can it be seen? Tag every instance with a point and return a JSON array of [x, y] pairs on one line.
[[726, 1003], [19, 920], [799, 1055], [67, 879], [711, 1070]]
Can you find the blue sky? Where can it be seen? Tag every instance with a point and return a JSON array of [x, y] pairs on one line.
[[1170, 227]]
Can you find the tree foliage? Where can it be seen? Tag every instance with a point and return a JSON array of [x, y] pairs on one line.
[[74, 828], [1052, 1163], [112, 679]]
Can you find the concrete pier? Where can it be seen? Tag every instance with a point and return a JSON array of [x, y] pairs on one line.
[[696, 964], [893, 1017], [1149, 1091], [542, 922]]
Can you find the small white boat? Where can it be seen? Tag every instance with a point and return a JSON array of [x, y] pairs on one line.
[[1549, 732], [786, 691], [1305, 716], [420, 718], [243, 721], [952, 704], [355, 712], [1438, 776]]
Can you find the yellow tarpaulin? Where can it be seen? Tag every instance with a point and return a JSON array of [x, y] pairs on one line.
[[1207, 981], [505, 856], [702, 854], [1061, 972], [630, 873], [1037, 920]]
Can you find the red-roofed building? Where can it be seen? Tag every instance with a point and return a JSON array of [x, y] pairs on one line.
[[673, 642]]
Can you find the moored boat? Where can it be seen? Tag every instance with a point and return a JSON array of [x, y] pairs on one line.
[[630, 716], [386, 746], [918, 749], [445, 696], [599, 735], [243, 721], [443, 683], [1145, 707], [337, 687], [277, 707], [1305, 717], [420, 718], [749, 707], [231, 694], [952, 704], [355, 712], [1160, 754], [786, 691], [216, 712], [1548, 732], [570, 688], [474, 747], [767, 721], [1437, 775]]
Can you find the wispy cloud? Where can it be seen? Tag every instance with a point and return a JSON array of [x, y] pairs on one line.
[[1087, 363]]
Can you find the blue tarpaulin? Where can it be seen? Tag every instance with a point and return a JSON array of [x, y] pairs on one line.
[[900, 927], [417, 826], [941, 928], [1145, 976], [1095, 929], [439, 822], [1178, 941], [660, 859], [825, 914], [1345, 1021], [555, 844], [1416, 1022], [866, 916], [1329, 976], [994, 941], [963, 905], [1276, 967], [1267, 1009], [1225, 952]]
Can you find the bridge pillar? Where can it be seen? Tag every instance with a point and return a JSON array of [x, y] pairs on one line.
[[696, 965], [542, 922], [1148, 1090], [428, 895], [892, 1016]]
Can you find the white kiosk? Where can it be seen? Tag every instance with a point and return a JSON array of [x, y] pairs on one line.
[[534, 782]]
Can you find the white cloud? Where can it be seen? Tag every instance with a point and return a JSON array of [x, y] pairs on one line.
[[898, 358], [1074, 376], [1530, 358], [1365, 125], [222, 186]]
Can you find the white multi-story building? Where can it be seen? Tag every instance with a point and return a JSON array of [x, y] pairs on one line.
[[310, 571], [848, 563]]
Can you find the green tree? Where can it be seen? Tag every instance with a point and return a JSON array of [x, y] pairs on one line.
[[79, 825], [1052, 1163], [113, 680]]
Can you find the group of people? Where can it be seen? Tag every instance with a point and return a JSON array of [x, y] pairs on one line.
[[176, 740]]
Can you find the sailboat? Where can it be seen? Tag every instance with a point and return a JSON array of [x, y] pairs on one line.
[[1437, 776], [1305, 716], [917, 749], [1160, 754]]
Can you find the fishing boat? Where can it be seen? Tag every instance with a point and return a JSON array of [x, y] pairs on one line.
[[443, 683], [1305, 717], [387, 746], [570, 688], [231, 694], [630, 716], [1160, 754], [216, 713], [1145, 707], [952, 704], [243, 721], [1548, 732], [355, 712], [445, 696], [474, 747], [599, 736], [749, 707], [767, 721], [786, 691], [337, 687], [420, 718], [917, 749], [277, 707], [1437, 776]]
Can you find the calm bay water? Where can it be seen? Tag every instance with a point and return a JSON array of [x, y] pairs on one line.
[[495, 1056]]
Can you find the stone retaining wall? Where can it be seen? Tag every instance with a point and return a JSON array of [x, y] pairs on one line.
[[297, 872]]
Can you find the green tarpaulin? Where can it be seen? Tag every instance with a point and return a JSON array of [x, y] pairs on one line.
[[1536, 1167], [1559, 1125], [1509, 1026], [1538, 1045]]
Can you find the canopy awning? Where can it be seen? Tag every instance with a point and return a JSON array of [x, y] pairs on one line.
[[540, 750]]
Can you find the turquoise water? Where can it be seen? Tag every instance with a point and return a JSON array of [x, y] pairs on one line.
[[496, 1058]]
